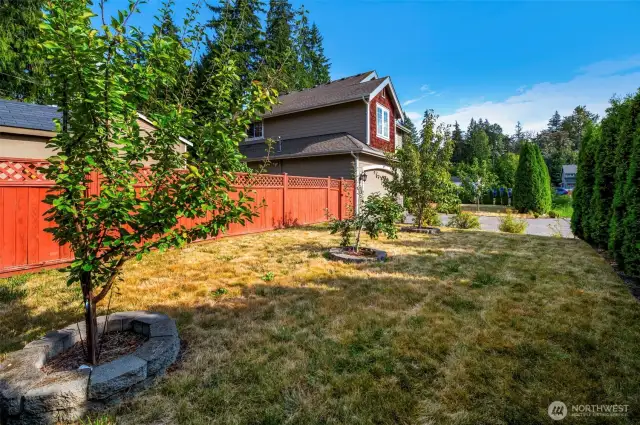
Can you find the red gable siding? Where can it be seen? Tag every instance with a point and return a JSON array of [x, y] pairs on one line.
[[375, 141]]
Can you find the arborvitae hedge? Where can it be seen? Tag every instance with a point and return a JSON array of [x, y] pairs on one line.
[[532, 189], [607, 195], [584, 182]]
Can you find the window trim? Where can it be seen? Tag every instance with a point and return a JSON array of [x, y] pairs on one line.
[[249, 139], [381, 135]]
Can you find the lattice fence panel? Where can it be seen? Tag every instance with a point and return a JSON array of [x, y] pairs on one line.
[[335, 184], [20, 171], [302, 182], [259, 180]]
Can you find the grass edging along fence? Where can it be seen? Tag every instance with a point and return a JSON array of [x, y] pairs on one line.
[[26, 247]]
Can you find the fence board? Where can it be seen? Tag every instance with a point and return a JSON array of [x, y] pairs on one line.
[[26, 247]]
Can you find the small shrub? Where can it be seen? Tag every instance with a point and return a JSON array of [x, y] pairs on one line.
[[268, 277], [510, 224], [553, 214], [430, 217], [464, 220]]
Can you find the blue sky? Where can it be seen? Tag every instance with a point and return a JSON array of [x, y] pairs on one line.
[[504, 61]]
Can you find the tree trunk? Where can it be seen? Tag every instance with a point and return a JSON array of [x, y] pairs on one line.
[[356, 247], [420, 212], [90, 319]]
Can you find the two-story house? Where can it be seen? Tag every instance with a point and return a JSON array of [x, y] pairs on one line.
[[569, 173], [340, 129]]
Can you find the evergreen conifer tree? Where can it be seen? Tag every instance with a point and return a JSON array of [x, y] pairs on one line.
[[532, 190]]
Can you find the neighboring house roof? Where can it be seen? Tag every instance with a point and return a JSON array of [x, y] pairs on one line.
[[569, 169], [456, 180], [28, 115], [349, 89], [21, 115], [326, 144]]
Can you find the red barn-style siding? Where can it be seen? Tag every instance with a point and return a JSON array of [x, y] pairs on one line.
[[374, 140]]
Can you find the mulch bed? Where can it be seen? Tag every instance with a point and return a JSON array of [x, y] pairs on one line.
[[110, 347], [362, 252]]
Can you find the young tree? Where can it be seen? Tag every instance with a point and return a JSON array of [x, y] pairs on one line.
[[477, 178], [23, 71], [421, 172], [532, 189], [132, 210], [377, 214]]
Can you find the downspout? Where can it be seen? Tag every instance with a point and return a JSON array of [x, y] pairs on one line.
[[357, 183], [367, 129]]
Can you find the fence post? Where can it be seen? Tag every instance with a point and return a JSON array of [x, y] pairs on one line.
[[285, 186], [328, 196], [340, 201]]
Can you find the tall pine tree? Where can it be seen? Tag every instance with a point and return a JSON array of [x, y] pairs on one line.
[[281, 62], [459, 147]]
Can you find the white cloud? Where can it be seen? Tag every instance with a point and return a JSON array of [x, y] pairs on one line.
[[533, 106], [416, 117], [426, 90]]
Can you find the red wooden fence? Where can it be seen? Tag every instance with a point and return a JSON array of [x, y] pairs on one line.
[[289, 201]]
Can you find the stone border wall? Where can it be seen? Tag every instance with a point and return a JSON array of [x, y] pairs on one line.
[[29, 396]]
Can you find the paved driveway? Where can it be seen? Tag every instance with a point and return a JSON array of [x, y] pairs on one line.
[[537, 226]]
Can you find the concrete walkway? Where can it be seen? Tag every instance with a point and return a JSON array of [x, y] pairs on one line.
[[537, 226]]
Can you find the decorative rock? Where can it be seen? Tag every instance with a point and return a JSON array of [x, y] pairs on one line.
[[343, 254], [58, 391], [115, 376], [427, 230], [29, 396], [160, 353]]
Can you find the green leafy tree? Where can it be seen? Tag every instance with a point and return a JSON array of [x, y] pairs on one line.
[[477, 178], [421, 172], [99, 92], [506, 168], [377, 214], [23, 70], [532, 189], [478, 146]]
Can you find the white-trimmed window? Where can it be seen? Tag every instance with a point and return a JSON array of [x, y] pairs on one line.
[[255, 131], [382, 122]]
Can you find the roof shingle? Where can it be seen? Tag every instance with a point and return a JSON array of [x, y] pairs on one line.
[[28, 115], [326, 144], [339, 91]]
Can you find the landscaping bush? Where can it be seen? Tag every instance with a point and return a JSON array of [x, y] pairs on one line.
[[464, 220], [430, 217], [562, 205], [532, 189], [511, 224], [554, 214]]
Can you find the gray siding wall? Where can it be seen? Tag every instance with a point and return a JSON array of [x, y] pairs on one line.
[[334, 166], [345, 118]]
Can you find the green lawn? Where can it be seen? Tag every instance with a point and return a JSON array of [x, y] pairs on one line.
[[460, 328], [563, 205]]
